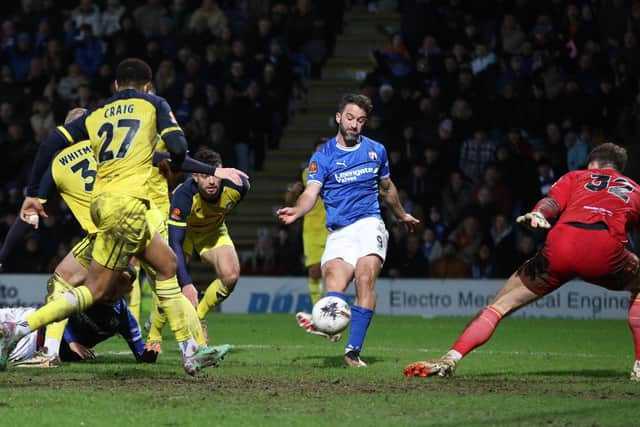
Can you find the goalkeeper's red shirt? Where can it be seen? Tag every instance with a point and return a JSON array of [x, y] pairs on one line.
[[598, 195]]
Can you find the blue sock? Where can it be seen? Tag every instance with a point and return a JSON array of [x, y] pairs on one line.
[[340, 295], [360, 320]]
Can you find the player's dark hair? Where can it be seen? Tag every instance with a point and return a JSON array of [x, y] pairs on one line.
[[133, 71], [361, 101], [210, 157], [609, 154]]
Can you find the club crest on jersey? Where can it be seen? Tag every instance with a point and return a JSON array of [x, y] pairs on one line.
[[313, 167], [373, 155], [175, 214]]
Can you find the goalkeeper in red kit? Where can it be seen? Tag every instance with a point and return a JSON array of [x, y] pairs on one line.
[[593, 209]]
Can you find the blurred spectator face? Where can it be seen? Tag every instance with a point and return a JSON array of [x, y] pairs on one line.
[[500, 223], [237, 69], [395, 157], [6, 112], [502, 153], [450, 64], [514, 136], [43, 27], [483, 196], [216, 133], [423, 65], [585, 62], [386, 93], [32, 246], [430, 155], [459, 51], [553, 132], [418, 171], [36, 67], [408, 133], [189, 90], [470, 225], [434, 215], [86, 5], [269, 73], [253, 91], [200, 114], [264, 27], [153, 48], [428, 236], [275, 49], [572, 11], [445, 128], [516, 63], [460, 109], [397, 42], [24, 42], [237, 48], [484, 253], [456, 181], [479, 136], [434, 91], [491, 176], [465, 79], [629, 40], [570, 139], [413, 244], [15, 132], [526, 245], [350, 121], [73, 70], [7, 75], [193, 65]]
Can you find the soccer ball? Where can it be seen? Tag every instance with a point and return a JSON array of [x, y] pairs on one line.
[[331, 315]]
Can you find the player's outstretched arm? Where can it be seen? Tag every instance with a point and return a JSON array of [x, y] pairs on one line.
[[390, 196], [304, 204], [539, 217]]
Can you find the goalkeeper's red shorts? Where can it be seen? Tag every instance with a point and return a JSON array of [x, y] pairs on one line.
[[584, 251]]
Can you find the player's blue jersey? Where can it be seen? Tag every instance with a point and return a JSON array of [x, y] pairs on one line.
[[349, 177]]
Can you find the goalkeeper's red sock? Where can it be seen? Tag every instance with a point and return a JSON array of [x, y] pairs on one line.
[[477, 332], [634, 324]]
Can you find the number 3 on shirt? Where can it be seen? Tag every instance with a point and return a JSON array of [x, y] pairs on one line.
[[620, 187], [106, 130]]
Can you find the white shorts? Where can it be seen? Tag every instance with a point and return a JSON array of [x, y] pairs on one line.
[[28, 345], [367, 236]]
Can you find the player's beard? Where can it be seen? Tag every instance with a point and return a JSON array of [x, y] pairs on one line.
[[349, 138]]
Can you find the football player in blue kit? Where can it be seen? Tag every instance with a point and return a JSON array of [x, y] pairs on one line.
[[350, 172]]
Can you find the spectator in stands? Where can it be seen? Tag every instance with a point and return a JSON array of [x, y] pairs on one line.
[[483, 266], [449, 265]]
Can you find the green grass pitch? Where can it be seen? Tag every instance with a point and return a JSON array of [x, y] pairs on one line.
[[533, 372]]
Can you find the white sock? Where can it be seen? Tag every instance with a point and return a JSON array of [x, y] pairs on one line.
[[188, 347], [22, 328], [453, 355], [52, 345]]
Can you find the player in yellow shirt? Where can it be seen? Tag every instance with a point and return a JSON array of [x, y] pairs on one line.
[[314, 233], [199, 207], [122, 131]]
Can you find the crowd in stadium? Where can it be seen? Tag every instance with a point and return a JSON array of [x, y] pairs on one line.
[[212, 61], [489, 107], [480, 110]]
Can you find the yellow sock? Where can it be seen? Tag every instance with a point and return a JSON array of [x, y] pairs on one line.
[[157, 320], [56, 287], [134, 295], [72, 301], [170, 298], [214, 295], [195, 327], [315, 290]]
